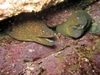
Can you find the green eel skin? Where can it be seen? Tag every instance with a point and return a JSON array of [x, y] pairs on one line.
[[76, 24], [31, 30]]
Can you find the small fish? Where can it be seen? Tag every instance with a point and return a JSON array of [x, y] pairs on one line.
[[29, 28], [76, 24]]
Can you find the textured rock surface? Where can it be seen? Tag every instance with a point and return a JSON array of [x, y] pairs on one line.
[[10, 8], [95, 14], [67, 57], [57, 15]]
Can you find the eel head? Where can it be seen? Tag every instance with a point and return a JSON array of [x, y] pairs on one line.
[[75, 25], [44, 36], [79, 27]]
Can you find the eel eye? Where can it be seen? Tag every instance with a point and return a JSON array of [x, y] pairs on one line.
[[43, 32], [77, 18]]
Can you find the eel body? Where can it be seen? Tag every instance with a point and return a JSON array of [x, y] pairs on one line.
[[76, 24], [27, 28]]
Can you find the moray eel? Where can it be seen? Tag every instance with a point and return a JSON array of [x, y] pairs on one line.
[[30, 30], [76, 24]]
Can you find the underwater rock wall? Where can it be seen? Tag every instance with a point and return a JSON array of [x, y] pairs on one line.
[[9, 8], [67, 57]]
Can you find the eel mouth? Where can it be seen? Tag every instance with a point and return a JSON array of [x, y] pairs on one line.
[[45, 41]]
